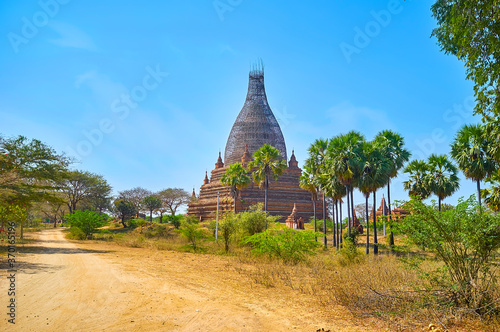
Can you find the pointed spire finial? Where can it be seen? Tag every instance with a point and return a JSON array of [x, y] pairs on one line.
[[206, 181], [219, 163]]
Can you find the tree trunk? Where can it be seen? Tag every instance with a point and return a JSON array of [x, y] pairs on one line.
[[391, 240], [348, 212], [341, 239], [123, 222], [439, 204], [314, 213], [334, 243], [375, 241], [479, 193], [367, 225], [352, 205], [55, 222], [324, 220], [151, 215], [161, 217], [235, 198], [266, 184]]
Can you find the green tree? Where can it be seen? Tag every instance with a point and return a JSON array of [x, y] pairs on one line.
[[235, 177], [471, 150], [443, 179], [255, 220], [417, 183], [124, 210], [87, 221], [307, 182], [136, 197], [173, 198], [466, 242], [375, 170], [267, 164], [492, 195], [228, 228], [193, 233], [393, 148], [151, 203]]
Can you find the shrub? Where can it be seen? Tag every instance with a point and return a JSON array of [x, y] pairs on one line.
[[175, 220], [227, 228], [465, 240], [137, 222], [76, 233], [319, 223], [255, 219], [87, 221], [284, 243], [193, 233], [349, 253]]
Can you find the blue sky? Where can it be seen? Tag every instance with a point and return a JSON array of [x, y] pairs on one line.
[[331, 66]]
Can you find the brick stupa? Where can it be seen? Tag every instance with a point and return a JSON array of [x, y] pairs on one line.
[[254, 127]]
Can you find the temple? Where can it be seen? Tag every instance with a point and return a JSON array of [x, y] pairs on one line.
[[255, 126]]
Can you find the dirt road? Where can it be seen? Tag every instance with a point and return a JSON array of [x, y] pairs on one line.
[[62, 286]]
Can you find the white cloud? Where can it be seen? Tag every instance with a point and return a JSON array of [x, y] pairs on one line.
[[71, 36]]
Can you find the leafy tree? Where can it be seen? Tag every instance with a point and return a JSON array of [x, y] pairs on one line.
[[235, 177], [443, 179], [492, 195], [307, 182], [151, 203], [471, 150], [417, 183], [136, 197], [465, 241], [267, 163], [255, 220], [87, 221], [82, 186], [125, 210], [228, 228], [375, 170], [173, 198], [393, 148]]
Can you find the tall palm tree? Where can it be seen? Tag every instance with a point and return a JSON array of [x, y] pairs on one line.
[[335, 190], [375, 169], [471, 149], [236, 177], [341, 159], [443, 179], [417, 184], [306, 182], [392, 145], [267, 163]]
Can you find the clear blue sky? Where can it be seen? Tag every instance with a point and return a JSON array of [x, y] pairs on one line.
[[331, 66]]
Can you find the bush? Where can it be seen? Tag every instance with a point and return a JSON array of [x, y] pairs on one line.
[[465, 240], [228, 227], [284, 243], [137, 222], [174, 220], [255, 219], [87, 221], [76, 233], [319, 223], [349, 253], [193, 233]]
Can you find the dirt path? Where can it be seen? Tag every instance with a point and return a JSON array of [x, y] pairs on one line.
[[62, 286]]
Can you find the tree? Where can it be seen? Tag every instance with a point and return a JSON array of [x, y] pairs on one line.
[[341, 159], [87, 221], [267, 163], [471, 150], [228, 228], [307, 182], [193, 233], [235, 177], [125, 210], [173, 198], [469, 30], [492, 195], [417, 184], [443, 179], [136, 197], [375, 170], [151, 203], [81, 186], [392, 145]]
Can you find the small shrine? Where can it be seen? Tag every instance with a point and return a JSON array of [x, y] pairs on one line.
[[294, 221]]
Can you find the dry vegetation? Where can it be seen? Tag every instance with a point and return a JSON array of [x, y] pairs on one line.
[[377, 291]]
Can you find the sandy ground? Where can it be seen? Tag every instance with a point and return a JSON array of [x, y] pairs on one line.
[[63, 286]]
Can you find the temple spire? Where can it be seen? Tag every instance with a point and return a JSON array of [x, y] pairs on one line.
[[206, 181], [219, 163], [293, 163], [246, 158]]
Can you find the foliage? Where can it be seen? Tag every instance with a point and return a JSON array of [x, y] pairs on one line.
[[492, 195], [443, 177], [136, 222], [173, 198], [349, 253], [255, 220], [228, 226], [329, 225], [175, 220], [465, 241], [135, 196], [151, 203], [124, 209], [235, 177], [87, 221], [193, 233], [284, 243], [417, 184]]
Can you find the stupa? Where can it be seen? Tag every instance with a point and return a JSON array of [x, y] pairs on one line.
[[255, 126]]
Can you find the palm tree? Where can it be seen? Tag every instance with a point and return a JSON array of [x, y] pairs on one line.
[[267, 163], [341, 159], [235, 177], [471, 149], [306, 182], [375, 170], [416, 184], [443, 180], [492, 195], [392, 145], [335, 190]]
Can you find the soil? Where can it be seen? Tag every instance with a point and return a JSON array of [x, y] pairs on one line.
[[97, 286]]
